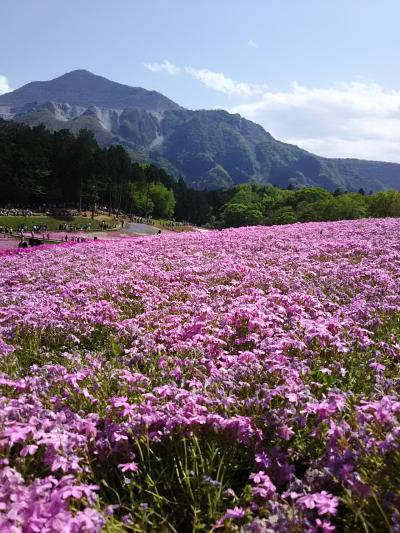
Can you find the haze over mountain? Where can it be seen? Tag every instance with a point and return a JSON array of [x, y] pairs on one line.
[[209, 148]]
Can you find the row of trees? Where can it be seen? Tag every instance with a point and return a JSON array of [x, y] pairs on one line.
[[252, 204], [39, 167]]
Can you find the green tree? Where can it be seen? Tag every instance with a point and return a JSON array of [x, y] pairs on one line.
[[119, 169], [385, 204], [139, 200], [246, 195], [236, 215], [163, 200], [310, 195], [349, 206], [283, 215], [83, 151]]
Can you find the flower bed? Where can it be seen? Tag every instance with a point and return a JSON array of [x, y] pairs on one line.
[[239, 379]]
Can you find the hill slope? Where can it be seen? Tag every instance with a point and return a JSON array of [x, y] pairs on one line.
[[210, 149]]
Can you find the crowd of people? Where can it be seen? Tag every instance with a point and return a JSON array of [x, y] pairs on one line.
[[35, 241], [37, 228], [6, 230], [12, 212], [43, 209], [168, 224], [76, 238]]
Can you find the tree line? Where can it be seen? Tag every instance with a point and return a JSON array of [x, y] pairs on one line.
[[39, 167], [252, 204]]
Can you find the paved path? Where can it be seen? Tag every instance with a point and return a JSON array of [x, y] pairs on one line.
[[134, 228]]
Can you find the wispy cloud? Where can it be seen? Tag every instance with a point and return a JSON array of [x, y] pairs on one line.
[[218, 81], [4, 85], [252, 43], [345, 120], [164, 66]]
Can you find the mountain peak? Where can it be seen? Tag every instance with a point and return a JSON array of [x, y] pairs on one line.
[[78, 73], [83, 88]]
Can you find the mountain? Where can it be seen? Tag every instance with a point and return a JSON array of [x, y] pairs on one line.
[[209, 148], [82, 89]]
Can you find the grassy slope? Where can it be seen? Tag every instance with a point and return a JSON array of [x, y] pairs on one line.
[[51, 222]]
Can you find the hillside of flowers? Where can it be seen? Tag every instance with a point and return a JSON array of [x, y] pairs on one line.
[[238, 380]]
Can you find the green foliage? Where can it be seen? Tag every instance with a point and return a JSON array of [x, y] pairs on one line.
[[244, 209], [342, 207], [140, 201], [245, 194], [350, 206], [180, 484], [163, 200], [283, 215], [237, 215], [310, 195], [385, 204], [255, 204]]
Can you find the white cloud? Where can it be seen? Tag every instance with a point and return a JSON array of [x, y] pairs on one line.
[[164, 66], [346, 120], [4, 85], [252, 43], [218, 81]]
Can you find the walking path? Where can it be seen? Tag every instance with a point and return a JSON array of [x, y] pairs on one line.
[[134, 228]]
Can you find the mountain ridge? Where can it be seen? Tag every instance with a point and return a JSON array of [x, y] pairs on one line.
[[209, 148]]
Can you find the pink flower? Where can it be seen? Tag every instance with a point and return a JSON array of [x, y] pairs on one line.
[[29, 449], [129, 467], [286, 432], [235, 513], [259, 477], [322, 526], [324, 502]]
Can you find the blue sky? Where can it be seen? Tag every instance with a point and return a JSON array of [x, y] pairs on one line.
[[322, 74]]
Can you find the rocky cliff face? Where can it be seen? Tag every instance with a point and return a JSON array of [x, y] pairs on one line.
[[210, 149]]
